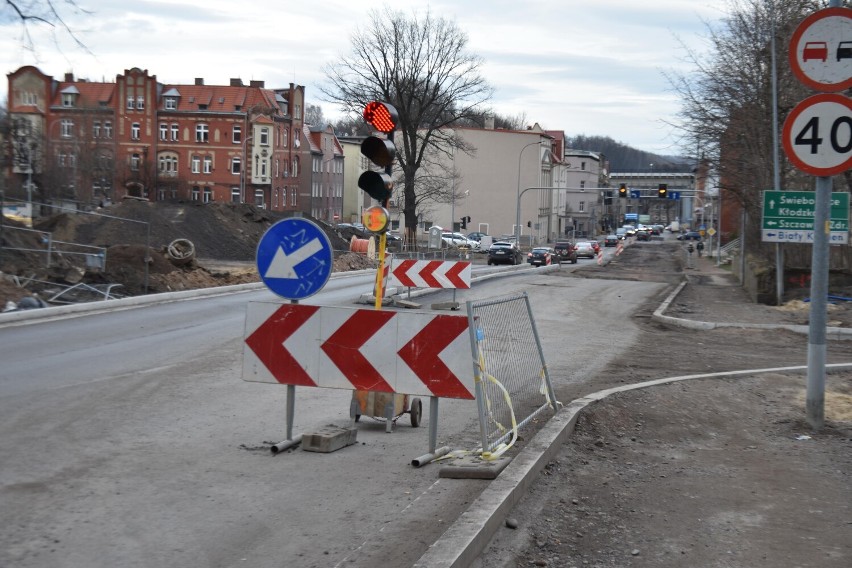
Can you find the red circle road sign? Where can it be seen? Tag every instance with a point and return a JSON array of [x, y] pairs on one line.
[[821, 50], [818, 134]]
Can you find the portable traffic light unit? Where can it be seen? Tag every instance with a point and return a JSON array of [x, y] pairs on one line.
[[663, 191], [622, 190], [381, 151]]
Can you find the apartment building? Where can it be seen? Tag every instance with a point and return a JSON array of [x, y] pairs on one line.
[[82, 142]]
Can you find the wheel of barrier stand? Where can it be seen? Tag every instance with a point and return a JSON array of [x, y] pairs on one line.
[[416, 412]]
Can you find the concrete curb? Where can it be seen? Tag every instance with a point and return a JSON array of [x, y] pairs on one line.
[[659, 316], [467, 537]]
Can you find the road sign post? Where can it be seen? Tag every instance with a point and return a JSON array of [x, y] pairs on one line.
[[818, 140]]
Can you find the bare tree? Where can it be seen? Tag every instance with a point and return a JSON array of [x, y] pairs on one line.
[[727, 113], [314, 116], [51, 13], [421, 66]]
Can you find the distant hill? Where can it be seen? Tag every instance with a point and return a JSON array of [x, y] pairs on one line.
[[623, 158]]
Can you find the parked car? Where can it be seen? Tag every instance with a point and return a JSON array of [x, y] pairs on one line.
[[476, 236], [611, 240], [565, 252], [689, 236], [541, 256], [457, 240], [502, 252], [584, 249]]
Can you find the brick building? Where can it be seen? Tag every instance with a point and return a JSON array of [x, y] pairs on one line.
[[81, 142]]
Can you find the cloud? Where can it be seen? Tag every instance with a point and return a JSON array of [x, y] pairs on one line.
[[593, 67]]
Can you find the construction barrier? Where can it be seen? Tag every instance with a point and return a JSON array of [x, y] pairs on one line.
[[512, 382]]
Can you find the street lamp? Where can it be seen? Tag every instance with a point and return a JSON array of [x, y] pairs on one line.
[[518, 212]]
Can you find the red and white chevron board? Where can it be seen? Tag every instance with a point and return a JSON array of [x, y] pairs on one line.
[[430, 274], [415, 353]]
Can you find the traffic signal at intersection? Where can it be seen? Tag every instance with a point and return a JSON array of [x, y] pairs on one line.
[[380, 151], [663, 191], [622, 190]]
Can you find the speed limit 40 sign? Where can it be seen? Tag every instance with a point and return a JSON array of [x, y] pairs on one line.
[[818, 135]]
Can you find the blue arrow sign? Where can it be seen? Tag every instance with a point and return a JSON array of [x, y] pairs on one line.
[[294, 258], [635, 194], [674, 194]]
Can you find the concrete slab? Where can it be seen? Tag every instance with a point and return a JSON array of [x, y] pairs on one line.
[[474, 467], [329, 439], [445, 306]]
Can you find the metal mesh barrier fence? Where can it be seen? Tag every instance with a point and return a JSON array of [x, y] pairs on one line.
[[512, 382]]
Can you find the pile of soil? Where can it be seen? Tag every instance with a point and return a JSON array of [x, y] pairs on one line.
[[132, 238]]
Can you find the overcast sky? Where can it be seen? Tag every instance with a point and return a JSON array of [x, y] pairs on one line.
[[593, 68]]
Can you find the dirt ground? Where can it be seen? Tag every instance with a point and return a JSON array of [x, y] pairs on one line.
[[708, 472], [223, 239]]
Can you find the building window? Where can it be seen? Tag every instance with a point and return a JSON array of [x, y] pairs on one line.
[[164, 131], [140, 103], [258, 198], [171, 103], [29, 98], [295, 169], [196, 193], [196, 165], [237, 134], [175, 130], [583, 184], [286, 137], [202, 133], [582, 165], [208, 165], [67, 100], [135, 130], [168, 165], [208, 195], [264, 137], [277, 167], [235, 195], [581, 207], [293, 197], [236, 166], [263, 164], [66, 128], [297, 141], [96, 129], [130, 102], [135, 159], [107, 129]]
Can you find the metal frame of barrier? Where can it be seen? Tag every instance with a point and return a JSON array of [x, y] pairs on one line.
[[511, 378]]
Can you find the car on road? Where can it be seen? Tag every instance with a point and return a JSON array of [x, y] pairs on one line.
[[476, 236], [611, 240], [542, 256], [596, 245], [584, 249], [503, 252], [689, 236], [565, 252], [643, 235]]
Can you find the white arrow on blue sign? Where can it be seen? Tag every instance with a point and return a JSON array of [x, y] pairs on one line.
[[294, 258]]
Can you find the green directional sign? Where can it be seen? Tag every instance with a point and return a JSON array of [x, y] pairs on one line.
[[788, 217]]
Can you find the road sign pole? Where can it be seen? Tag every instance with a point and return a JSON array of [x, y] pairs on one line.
[[815, 398]]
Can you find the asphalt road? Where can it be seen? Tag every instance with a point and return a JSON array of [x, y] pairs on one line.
[[129, 439]]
